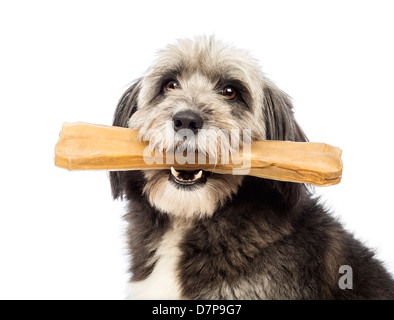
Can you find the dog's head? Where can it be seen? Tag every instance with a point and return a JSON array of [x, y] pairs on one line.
[[199, 85]]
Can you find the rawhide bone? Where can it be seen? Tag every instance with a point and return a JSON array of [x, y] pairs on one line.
[[83, 146]]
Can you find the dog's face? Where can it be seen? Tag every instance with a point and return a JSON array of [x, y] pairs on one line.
[[201, 85]]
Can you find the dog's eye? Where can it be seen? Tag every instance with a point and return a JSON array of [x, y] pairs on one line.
[[171, 85], [229, 93]]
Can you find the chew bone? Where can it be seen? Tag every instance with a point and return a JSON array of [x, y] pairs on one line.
[[83, 146]]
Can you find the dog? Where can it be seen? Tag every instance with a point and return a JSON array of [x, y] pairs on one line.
[[201, 235]]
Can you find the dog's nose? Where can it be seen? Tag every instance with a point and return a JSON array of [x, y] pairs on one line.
[[187, 120]]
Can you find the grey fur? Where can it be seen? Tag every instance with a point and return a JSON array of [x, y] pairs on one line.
[[246, 238]]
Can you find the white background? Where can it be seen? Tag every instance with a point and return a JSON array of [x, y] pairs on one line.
[[61, 235]]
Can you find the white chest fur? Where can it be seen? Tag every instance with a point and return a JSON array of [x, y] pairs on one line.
[[162, 283]]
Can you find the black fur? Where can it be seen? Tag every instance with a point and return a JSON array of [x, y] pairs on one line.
[[290, 253], [298, 248]]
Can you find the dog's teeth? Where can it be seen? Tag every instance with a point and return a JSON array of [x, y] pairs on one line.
[[174, 172], [198, 175]]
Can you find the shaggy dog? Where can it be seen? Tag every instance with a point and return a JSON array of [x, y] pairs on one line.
[[200, 235]]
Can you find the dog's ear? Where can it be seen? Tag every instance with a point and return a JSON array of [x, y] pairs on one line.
[[278, 111], [281, 125], [126, 107]]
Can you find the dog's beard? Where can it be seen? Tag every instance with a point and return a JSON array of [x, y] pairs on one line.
[[196, 193], [194, 201]]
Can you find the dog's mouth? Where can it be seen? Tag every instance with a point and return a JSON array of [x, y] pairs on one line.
[[188, 178]]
